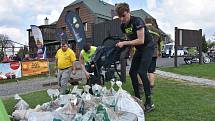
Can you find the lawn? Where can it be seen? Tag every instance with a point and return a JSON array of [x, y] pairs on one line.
[[197, 70], [174, 101]]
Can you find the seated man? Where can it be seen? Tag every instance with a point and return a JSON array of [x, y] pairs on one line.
[[85, 56]]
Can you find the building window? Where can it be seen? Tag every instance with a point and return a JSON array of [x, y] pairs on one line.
[[77, 10], [63, 28], [85, 26]]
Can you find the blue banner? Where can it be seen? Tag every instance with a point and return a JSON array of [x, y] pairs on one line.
[[76, 27], [61, 35]]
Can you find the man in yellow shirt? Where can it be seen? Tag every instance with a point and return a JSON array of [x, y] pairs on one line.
[[86, 53], [64, 62]]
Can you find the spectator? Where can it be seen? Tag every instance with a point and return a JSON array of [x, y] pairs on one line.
[[64, 62]]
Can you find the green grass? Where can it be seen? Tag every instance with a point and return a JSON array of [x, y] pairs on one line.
[[197, 70], [32, 99], [174, 101]]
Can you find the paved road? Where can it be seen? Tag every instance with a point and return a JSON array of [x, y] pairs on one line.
[[10, 89], [169, 62]]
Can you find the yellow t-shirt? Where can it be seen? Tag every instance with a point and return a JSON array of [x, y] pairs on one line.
[[65, 59]]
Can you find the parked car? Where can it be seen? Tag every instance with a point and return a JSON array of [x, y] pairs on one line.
[[195, 59]]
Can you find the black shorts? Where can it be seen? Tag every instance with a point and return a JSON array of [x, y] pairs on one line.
[[152, 65]]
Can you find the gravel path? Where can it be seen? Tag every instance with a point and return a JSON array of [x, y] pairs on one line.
[[25, 86], [200, 81]]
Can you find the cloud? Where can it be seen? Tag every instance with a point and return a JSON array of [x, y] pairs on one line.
[[18, 15], [53, 16], [151, 4], [187, 14], [14, 34]]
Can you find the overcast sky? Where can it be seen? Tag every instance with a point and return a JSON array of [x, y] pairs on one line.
[[16, 16]]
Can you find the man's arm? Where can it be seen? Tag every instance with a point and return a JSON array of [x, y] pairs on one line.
[[74, 68], [56, 60], [56, 63], [140, 39], [81, 59]]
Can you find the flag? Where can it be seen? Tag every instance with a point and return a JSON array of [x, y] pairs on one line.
[[37, 34], [61, 35], [76, 27], [44, 53]]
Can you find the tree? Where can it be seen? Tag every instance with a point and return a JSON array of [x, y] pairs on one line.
[[22, 51], [204, 44], [211, 44], [3, 44]]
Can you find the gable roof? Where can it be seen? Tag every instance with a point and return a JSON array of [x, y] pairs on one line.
[[103, 9], [141, 13], [99, 7]]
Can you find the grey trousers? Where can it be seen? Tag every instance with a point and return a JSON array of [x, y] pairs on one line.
[[63, 77]]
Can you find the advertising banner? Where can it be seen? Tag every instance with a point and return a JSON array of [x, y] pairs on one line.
[[76, 27], [36, 32], [10, 70], [34, 68]]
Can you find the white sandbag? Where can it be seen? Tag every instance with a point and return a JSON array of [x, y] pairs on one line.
[[19, 114], [53, 93], [96, 89], [112, 91], [17, 97], [41, 116], [68, 109], [77, 91], [125, 102], [86, 96], [21, 105], [64, 99]]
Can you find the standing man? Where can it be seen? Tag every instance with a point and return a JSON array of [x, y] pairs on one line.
[[151, 70], [64, 62], [86, 53], [138, 36]]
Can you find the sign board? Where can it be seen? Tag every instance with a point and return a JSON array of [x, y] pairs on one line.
[[187, 38], [10, 70], [34, 68]]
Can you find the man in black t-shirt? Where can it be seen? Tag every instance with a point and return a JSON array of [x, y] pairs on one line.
[[138, 36]]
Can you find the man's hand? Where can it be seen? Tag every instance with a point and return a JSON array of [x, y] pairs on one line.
[[87, 75], [74, 72], [122, 44]]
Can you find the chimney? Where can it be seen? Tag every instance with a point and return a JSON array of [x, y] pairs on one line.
[[46, 21]]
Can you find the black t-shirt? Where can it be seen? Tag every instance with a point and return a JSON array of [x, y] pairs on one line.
[[130, 29]]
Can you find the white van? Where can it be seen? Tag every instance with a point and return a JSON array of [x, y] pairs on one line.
[[170, 48]]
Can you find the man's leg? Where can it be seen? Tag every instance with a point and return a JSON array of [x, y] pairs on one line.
[[64, 80], [143, 69], [146, 84], [145, 62], [133, 75], [123, 61], [59, 76], [152, 79], [151, 70]]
